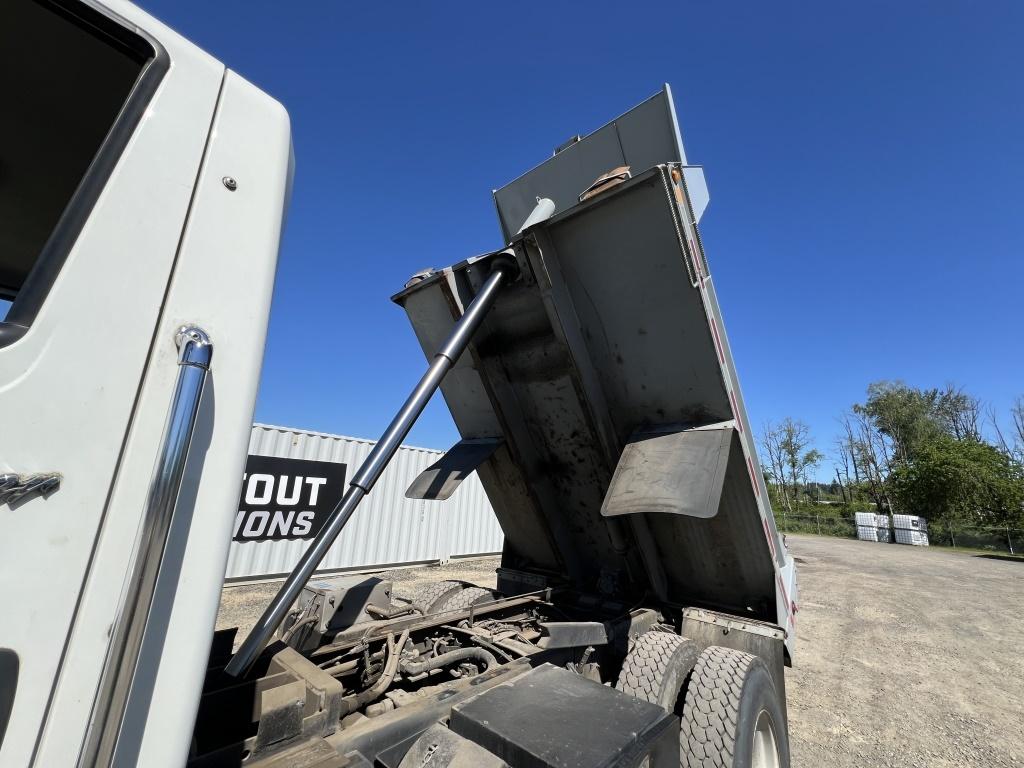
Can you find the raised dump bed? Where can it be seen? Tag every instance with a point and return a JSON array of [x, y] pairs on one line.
[[599, 397]]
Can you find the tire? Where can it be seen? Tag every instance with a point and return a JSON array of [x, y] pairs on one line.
[[465, 598], [429, 596], [656, 667], [730, 702]]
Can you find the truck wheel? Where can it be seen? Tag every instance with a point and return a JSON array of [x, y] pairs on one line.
[[656, 668], [427, 598], [464, 599], [732, 716]]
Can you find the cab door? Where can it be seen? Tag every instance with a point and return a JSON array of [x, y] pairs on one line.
[[102, 135]]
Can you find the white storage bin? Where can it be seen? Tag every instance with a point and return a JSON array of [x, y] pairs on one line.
[[909, 523], [914, 538], [866, 518], [867, 533]]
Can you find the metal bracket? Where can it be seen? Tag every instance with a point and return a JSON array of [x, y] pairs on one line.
[[440, 480]]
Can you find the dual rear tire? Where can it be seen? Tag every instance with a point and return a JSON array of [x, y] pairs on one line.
[[731, 715], [429, 596], [441, 596]]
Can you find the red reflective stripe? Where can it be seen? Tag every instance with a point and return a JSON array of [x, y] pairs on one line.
[[696, 259], [768, 535], [753, 477], [718, 342], [736, 411], [785, 599]]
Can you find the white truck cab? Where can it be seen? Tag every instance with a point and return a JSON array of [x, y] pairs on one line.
[[142, 190]]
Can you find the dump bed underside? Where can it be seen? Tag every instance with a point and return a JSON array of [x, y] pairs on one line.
[[605, 337], [625, 464]]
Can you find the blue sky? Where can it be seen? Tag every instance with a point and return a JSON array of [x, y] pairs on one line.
[[864, 161]]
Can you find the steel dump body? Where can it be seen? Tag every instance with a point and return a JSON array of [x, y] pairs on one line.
[[626, 463]]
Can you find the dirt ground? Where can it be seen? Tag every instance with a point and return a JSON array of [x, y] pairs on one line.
[[906, 657]]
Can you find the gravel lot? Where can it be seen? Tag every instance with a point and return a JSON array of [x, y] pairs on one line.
[[906, 657]]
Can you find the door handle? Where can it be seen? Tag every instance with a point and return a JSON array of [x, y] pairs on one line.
[[14, 487]]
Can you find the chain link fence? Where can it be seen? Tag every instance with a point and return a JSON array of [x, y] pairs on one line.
[[1006, 540]]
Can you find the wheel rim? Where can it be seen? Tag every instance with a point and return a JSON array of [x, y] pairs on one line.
[[765, 753]]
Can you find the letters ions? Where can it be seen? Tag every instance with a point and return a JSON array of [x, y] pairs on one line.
[[296, 494]]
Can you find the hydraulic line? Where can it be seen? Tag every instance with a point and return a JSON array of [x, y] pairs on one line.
[[484, 642], [350, 704], [492, 648], [290, 632], [342, 668], [443, 660]]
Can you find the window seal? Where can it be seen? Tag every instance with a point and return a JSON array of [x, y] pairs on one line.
[[127, 36]]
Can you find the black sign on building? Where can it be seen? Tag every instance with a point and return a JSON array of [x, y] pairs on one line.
[[286, 498]]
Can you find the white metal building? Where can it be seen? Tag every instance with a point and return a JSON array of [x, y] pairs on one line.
[[388, 529]]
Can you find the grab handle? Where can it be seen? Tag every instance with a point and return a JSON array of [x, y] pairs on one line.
[[195, 351]]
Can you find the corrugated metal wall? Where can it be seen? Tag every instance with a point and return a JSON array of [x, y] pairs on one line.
[[387, 528]]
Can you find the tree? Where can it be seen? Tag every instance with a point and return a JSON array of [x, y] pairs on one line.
[[958, 413], [1014, 446], [771, 446], [790, 457], [903, 417], [896, 422], [1017, 412], [966, 481], [909, 417], [870, 454]]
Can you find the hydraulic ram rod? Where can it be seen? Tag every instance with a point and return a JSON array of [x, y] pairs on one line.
[[371, 469]]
